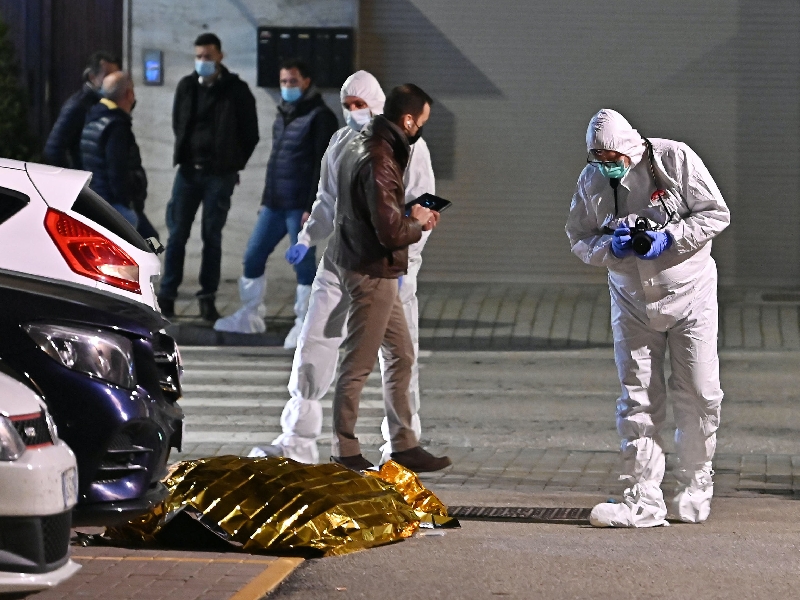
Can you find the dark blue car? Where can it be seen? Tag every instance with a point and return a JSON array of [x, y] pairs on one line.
[[110, 376]]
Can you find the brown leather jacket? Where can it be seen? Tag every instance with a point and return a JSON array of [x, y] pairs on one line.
[[372, 233]]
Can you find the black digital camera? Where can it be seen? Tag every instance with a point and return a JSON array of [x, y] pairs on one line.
[[640, 241]]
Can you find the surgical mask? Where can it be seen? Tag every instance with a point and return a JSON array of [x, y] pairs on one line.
[[205, 68], [615, 170], [357, 119], [291, 94], [412, 139]]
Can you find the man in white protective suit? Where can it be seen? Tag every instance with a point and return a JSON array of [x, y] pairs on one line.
[[317, 353], [663, 285]]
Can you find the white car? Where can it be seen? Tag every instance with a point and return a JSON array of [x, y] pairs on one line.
[[52, 225], [38, 489]]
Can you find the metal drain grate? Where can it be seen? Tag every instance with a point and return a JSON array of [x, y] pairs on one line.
[[531, 515]]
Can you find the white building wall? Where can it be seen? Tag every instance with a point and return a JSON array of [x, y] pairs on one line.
[[172, 26]]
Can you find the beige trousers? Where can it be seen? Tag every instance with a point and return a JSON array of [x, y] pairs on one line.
[[375, 321]]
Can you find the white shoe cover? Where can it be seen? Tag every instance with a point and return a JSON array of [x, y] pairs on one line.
[[250, 317], [303, 450], [301, 299], [386, 449], [692, 502], [641, 506], [273, 450]]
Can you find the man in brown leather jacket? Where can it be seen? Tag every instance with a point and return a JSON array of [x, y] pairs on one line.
[[370, 248]]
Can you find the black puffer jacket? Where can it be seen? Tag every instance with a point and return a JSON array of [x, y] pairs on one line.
[[300, 135], [235, 121], [63, 147], [109, 150]]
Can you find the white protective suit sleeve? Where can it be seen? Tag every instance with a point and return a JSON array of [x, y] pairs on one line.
[[702, 210], [319, 225]]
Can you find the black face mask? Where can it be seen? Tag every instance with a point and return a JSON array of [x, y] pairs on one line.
[[413, 138], [133, 105]]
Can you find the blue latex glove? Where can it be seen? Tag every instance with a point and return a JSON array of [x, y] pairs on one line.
[[296, 253], [661, 241], [621, 245], [399, 282]]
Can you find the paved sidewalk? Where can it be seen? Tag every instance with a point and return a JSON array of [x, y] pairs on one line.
[[463, 316], [125, 574]]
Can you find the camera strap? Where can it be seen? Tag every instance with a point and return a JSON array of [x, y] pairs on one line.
[[614, 183]]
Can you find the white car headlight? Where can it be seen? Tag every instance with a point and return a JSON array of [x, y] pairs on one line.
[[11, 444], [101, 354]]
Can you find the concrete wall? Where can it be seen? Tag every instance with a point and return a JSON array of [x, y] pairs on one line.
[[172, 26]]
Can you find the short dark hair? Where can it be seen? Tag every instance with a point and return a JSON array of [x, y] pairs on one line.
[[406, 99], [96, 61], [208, 39], [296, 63]]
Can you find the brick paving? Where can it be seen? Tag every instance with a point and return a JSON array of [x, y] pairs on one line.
[[122, 574], [466, 316]]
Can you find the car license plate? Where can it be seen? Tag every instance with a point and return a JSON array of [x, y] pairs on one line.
[[69, 486]]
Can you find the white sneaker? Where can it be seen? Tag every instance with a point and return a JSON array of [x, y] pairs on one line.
[[640, 507], [692, 502], [266, 451]]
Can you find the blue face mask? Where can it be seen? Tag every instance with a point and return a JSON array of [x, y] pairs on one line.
[[615, 170], [205, 68], [291, 94]]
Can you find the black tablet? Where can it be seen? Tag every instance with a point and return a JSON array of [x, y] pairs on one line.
[[429, 201]]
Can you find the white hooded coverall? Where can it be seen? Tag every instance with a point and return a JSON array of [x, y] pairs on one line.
[[317, 353], [666, 303]]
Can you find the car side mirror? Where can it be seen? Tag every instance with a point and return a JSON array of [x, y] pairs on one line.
[[156, 246]]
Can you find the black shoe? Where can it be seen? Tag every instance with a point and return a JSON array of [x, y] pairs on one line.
[[208, 312], [167, 306], [421, 461], [354, 463]]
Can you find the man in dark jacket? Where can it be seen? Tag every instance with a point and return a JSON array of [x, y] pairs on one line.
[[216, 130], [109, 149], [300, 135], [62, 148], [370, 249]]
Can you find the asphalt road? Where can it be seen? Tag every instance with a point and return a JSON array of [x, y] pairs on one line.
[[748, 549], [489, 406]]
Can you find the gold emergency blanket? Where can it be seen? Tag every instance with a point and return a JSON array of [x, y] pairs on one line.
[[277, 504]]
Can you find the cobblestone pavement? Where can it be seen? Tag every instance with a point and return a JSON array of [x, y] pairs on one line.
[[463, 316]]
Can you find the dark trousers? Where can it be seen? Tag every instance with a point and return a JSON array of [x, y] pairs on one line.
[[193, 188]]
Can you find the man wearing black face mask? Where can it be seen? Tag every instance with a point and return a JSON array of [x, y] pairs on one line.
[[370, 249]]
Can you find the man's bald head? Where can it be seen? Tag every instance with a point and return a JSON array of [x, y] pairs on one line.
[[118, 87]]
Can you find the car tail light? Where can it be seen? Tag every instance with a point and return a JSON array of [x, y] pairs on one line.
[[91, 254]]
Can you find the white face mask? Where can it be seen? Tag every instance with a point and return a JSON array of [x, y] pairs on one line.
[[357, 118]]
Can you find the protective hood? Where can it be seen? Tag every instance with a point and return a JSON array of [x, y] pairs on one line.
[[609, 130], [365, 86]]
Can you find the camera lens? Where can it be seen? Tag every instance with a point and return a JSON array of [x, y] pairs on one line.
[[641, 243]]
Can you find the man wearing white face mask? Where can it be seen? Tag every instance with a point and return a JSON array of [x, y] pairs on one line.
[[315, 358], [300, 134], [647, 210]]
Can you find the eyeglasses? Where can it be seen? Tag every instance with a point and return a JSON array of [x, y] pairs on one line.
[[611, 163]]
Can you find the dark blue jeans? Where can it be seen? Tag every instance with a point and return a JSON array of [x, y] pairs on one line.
[[271, 227], [193, 188]]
